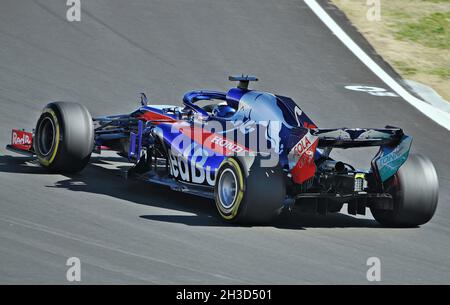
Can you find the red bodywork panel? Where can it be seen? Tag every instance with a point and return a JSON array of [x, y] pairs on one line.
[[304, 150], [156, 118], [22, 140], [215, 142]]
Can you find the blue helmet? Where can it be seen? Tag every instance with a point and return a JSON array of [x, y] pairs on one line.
[[223, 111]]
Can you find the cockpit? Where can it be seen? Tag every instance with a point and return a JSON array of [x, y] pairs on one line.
[[215, 104]]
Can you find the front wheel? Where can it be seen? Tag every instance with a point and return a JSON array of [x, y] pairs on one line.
[[415, 190], [64, 137], [253, 196]]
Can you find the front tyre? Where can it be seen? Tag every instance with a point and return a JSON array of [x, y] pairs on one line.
[[253, 196], [64, 137], [415, 190]]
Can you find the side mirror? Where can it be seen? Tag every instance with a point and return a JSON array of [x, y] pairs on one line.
[[144, 100]]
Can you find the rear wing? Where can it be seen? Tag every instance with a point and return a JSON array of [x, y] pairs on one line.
[[394, 146], [357, 137]]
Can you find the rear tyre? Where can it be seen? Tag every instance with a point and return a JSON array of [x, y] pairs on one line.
[[249, 198], [415, 190], [64, 137]]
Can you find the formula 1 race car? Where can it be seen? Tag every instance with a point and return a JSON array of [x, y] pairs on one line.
[[255, 153]]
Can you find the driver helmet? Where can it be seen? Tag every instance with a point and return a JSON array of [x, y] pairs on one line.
[[223, 111]]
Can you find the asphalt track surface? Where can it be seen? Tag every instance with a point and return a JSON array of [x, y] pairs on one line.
[[135, 233]]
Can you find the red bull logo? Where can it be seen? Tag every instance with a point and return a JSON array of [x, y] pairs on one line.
[[21, 139]]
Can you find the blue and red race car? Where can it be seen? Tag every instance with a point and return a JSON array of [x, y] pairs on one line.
[[255, 153]]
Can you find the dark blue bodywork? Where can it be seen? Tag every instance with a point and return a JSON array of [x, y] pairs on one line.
[[282, 121]]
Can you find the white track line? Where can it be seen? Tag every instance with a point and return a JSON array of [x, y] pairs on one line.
[[437, 115]]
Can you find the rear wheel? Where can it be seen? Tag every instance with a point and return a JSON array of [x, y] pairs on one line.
[[415, 190], [253, 197], [64, 137]]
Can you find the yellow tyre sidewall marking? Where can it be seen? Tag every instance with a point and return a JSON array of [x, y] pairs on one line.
[[240, 195], [49, 161]]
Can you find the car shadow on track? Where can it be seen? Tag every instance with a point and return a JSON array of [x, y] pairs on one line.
[[20, 165], [287, 220], [98, 179]]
